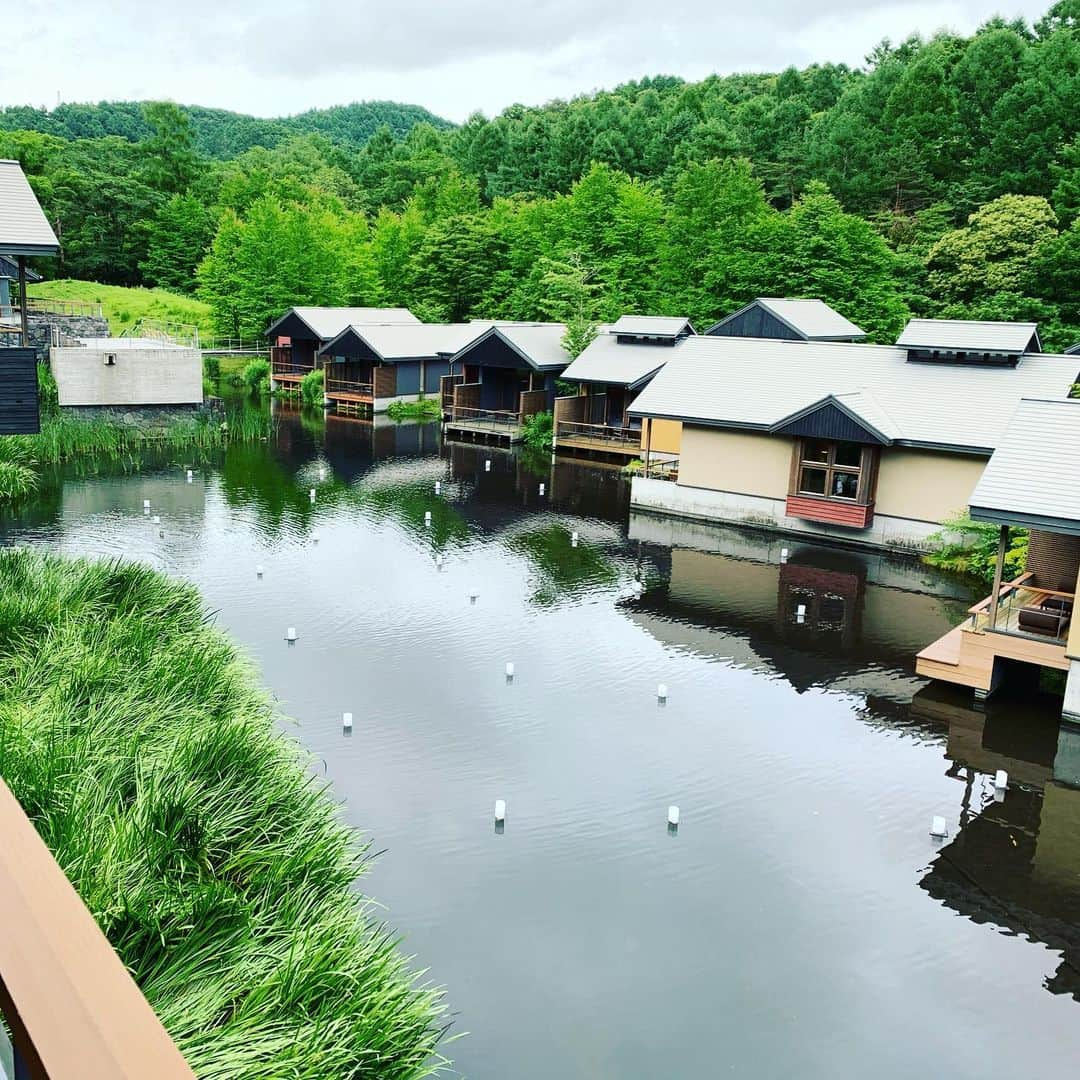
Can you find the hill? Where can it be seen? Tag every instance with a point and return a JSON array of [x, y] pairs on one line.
[[123, 307], [220, 133]]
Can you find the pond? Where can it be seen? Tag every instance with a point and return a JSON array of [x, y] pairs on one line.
[[800, 920]]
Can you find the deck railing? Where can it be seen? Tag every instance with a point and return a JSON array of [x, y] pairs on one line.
[[1021, 604], [72, 1008], [47, 305], [621, 438], [497, 420], [348, 386]]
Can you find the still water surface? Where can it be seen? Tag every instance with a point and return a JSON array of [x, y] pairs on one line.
[[800, 922]]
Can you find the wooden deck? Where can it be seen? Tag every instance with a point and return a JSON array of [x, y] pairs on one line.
[[596, 445], [969, 655]]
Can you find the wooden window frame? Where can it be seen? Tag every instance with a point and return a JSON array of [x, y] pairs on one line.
[[865, 471]]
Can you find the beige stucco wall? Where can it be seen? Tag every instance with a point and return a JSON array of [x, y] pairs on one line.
[[666, 436], [151, 376], [924, 485], [742, 462]]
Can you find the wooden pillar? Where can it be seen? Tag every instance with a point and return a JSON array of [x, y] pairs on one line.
[[21, 259], [648, 443], [1003, 544]]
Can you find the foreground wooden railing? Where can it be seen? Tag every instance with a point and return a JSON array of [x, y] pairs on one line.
[[621, 437], [73, 1009], [347, 386]]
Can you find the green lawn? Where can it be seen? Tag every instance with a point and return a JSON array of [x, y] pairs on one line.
[[123, 307]]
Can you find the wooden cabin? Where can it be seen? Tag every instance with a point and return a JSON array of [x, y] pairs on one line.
[[296, 338], [610, 372], [788, 320], [501, 378], [864, 443], [24, 232], [1030, 483], [371, 366]]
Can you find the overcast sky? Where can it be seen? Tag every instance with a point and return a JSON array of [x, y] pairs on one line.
[[273, 58]]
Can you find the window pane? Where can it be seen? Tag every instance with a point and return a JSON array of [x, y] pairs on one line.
[[816, 450], [812, 481], [845, 485], [848, 453]]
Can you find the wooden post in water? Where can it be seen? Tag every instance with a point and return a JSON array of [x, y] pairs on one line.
[[648, 444], [21, 261]]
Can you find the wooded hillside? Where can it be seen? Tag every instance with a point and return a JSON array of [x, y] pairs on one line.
[[942, 178]]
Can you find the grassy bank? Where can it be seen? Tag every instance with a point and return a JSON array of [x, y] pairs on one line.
[[138, 741], [123, 307], [426, 409]]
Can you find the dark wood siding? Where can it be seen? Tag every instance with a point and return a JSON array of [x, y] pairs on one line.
[[385, 381], [19, 413], [831, 423], [755, 322], [1054, 558]]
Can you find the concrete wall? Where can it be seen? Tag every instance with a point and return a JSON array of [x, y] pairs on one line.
[[40, 325], [746, 463], [925, 486], [149, 376]]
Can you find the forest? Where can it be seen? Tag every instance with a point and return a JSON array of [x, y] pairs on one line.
[[941, 178]]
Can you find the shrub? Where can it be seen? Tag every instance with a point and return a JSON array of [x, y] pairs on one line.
[[975, 553], [538, 430], [424, 409], [311, 387], [48, 394], [211, 366], [256, 376]]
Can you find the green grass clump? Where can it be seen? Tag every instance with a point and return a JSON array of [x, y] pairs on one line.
[[123, 307], [426, 409], [137, 739], [311, 387], [18, 479], [256, 376]]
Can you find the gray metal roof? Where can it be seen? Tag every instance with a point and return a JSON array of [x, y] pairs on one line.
[[1033, 478], [756, 383], [968, 335], [328, 322], [411, 341], [604, 360], [811, 319], [24, 229], [539, 344], [652, 325]]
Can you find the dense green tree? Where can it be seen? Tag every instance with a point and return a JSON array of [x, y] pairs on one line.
[[171, 161], [177, 239]]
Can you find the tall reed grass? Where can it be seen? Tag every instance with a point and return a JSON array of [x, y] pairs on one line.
[[138, 741]]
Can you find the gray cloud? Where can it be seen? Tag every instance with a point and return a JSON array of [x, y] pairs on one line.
[[274, 58]]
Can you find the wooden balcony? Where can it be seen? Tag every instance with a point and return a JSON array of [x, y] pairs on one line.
[[349, 392], [286, 371], [575, 435], [1031, 625], [464, 416], [73, 1009]]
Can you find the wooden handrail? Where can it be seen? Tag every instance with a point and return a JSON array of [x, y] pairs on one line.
[[1009, 587], [74, 1010]]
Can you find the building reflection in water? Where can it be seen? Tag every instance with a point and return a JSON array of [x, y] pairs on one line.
[[1014, 863]]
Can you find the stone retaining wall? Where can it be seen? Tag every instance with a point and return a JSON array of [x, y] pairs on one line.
[[40, 325]]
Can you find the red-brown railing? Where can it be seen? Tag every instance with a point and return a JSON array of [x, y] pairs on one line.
[[348, 386]]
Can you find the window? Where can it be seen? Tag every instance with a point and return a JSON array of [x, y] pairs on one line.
[[830, 470]]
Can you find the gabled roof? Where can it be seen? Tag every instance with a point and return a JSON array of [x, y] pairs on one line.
[[328, 322], [756, 383], [652, 325], [860, 411], [604, 360], [24, 229], [1032, 477], [408, 341], [970, 335], [811, 319], [10, 269], [538, 344]]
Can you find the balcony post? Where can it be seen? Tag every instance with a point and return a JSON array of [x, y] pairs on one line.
[[648, 444], [21, 261], [1003, 544]]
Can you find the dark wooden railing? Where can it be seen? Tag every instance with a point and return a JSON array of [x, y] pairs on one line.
[[618, 438], [73, 1009], [348, 386], [486, 419]]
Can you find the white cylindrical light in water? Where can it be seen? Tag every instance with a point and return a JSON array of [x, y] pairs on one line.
[[573, 539], [190, 476], [509, 670], [427, 517], [258, 571], [346, 722], [938, 828], [673, 815], [500, 809], [541, 489], [661, 692], [638, 586], [322, 474], [800, 613], [146, 504], [783, 555], [487, 466], [157, 519], [438, 487], [1001, 780], [311, 494], [290, 634]]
